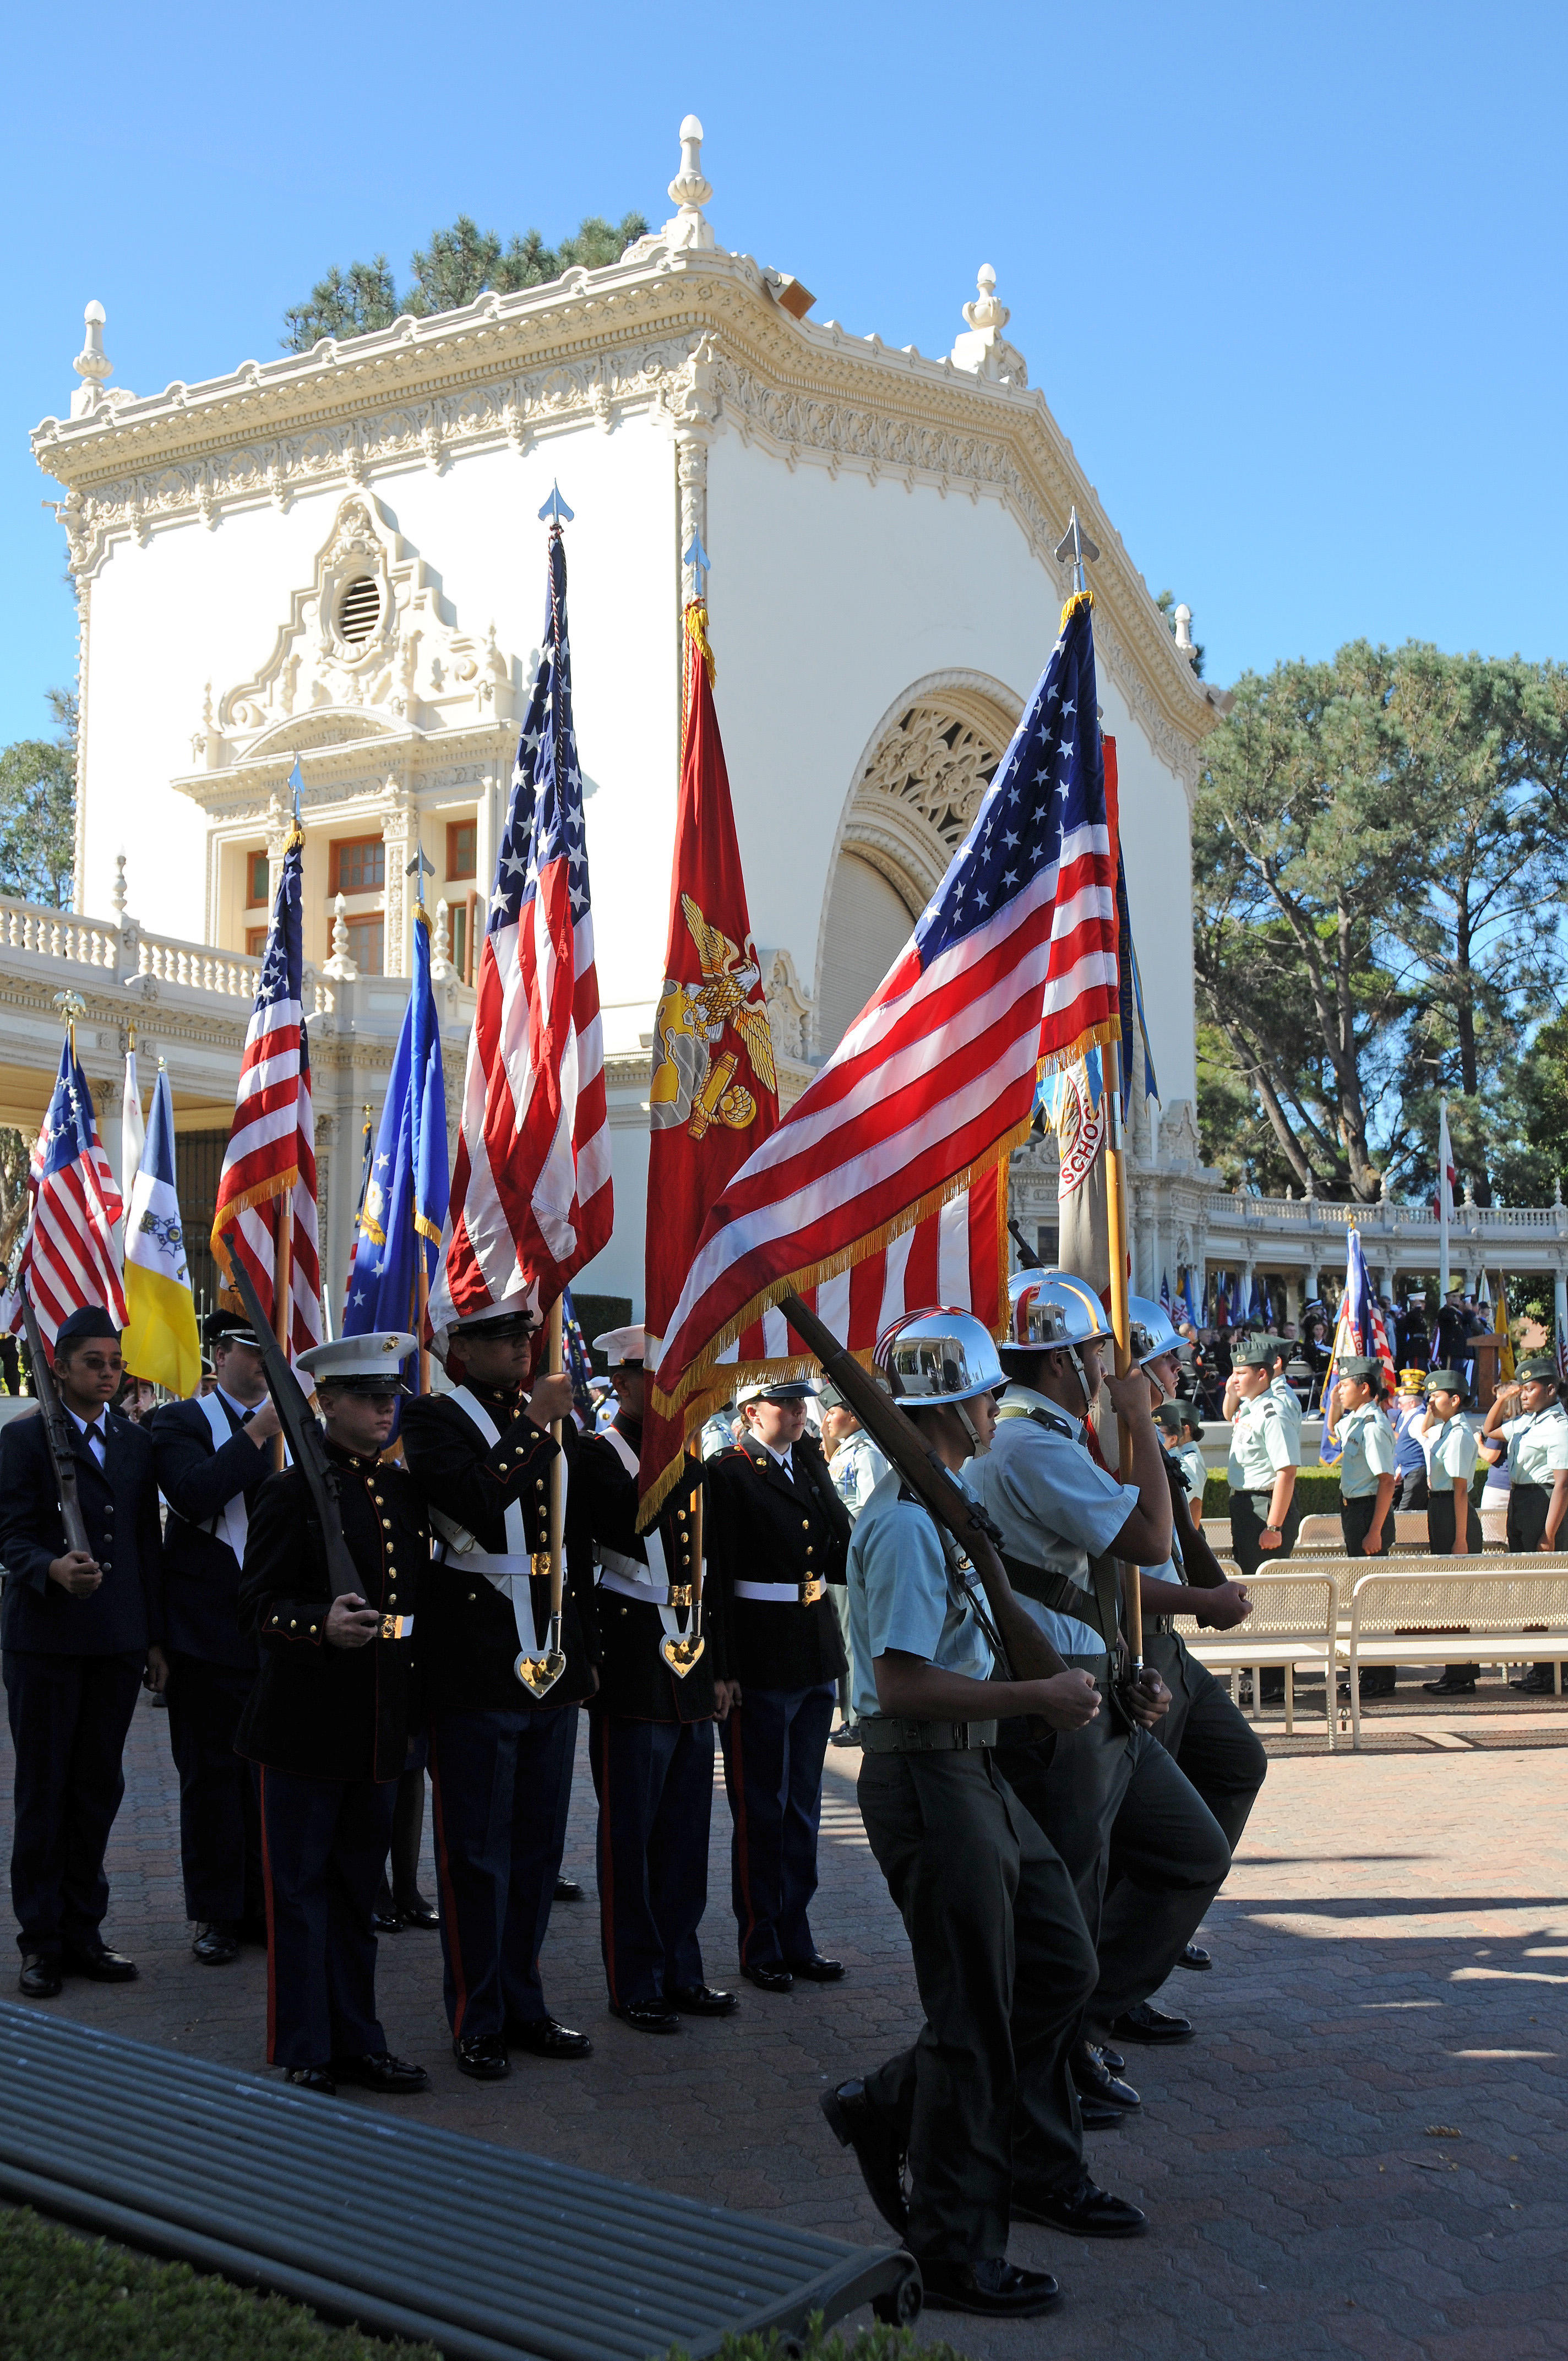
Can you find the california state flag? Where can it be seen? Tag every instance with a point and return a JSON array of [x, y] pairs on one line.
[[714, 1091]]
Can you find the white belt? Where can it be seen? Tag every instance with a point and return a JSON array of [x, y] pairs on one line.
[[654, 1594], [492, 1562], [778, 1594]]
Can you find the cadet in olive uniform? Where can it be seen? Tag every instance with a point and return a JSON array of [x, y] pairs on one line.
[[1265, 1452], [651, 1724], [79, 1635], [1450, 1445], [982, 2106], [329, 1720], [500, 1757], [1368, 1454], [778, 1534], [1145, 1853], [211, 1457], [1527, 1423]]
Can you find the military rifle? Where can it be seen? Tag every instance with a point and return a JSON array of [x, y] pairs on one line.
[[302, 1431], [56, 1434]]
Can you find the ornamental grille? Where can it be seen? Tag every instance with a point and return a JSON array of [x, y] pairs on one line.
[[938, 764], [359, 610]]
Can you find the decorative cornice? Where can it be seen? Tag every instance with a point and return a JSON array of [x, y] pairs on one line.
[[511, 369]]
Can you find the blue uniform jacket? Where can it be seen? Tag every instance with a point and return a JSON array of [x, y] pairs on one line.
[[119, 1508], [200, 1574]]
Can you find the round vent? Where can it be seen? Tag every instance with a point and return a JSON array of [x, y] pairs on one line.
[[359, 610]]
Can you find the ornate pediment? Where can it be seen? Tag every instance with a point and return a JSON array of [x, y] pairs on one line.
[[369, 647]]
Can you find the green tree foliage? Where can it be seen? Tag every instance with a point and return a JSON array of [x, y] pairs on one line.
[[37, 810], [456, 264], [1380, 851]]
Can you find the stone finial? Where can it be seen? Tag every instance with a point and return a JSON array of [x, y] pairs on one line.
[[690, 191], [1557, 1189], [117, 892], [340, 967], [1182, 618], [441, 945], [985, 312], [91, 363]]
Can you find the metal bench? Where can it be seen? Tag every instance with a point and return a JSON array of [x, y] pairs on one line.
[[1401, 1618], [488, 2253], [1294, 1624]]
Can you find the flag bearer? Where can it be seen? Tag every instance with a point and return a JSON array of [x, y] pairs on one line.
[[982, 2106], [500, 1756], [211, 1457], [651, 1722], [1265, 1455], [1369, 1452], [329, 1720], [778, 1535], [1528, 1425], [1451, 1446], [79, 1636]]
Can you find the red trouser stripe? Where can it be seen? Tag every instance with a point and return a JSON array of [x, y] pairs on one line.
[[738, 1805]]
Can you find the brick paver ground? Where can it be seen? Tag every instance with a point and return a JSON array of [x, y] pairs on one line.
[[1362, 2154]]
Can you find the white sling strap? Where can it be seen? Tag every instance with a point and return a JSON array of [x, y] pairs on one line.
[[232, 1522], [509, 1570], [630, 1575]]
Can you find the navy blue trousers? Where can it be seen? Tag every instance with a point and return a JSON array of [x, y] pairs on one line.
[[323, 1843], [774, 1746], [220, 1823], [502, 1784], [69, 1716], [654, 1785]]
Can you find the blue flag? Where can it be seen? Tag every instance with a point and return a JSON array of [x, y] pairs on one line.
[[405, 1197]]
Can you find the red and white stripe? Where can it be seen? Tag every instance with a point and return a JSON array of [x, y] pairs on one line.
[[269, 1169], [69, 1254]]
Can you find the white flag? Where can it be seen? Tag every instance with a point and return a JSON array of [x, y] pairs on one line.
[[133, 1131]]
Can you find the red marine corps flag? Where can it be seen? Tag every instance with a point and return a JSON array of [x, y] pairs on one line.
[[714, 1091]]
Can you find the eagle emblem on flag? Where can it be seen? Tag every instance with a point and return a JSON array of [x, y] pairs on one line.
[[694, 1080]]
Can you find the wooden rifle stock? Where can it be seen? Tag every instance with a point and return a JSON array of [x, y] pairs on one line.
[[303, 1433], [56, 1435]]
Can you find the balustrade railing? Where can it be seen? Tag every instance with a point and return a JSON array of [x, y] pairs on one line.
[[126, 952]]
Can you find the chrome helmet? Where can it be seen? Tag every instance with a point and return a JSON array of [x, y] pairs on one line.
[[1053, 1309], [939, 1356], [1151, 1333]]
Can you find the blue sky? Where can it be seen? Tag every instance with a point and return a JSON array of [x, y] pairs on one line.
[[1290, 278]]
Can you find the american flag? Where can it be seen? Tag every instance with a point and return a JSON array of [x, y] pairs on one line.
[[884, 1188], [531, 1191], [1359, 1332], [269, 1165], [69, 1256]]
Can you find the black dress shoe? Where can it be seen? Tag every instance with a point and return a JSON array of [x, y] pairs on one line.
[[568, 1890], [41, 1977], [1082, 2211], [216, 1945], [386, 1922], [818, 1970], [996, 2287], [392, 2075], [482, 2055], [1146, 2024], [1111, 2059], [857, 2124], [1458, 1681], [1098, 2115], [313, 2078], [777, 1978], [1195, 1956], [100, 1966], [646, 2016], [1537, 1682], [417, 1913], [543, 2038], [701, 1999], [1095, 2079], [1378, 1680]]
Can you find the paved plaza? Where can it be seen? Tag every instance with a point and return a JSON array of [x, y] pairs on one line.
[[1363, 2154]]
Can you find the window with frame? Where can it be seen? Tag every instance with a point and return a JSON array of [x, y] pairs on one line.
[[255, 941], [257, 880], [462, 847], [357, 864], [368, 943], [464, 918]]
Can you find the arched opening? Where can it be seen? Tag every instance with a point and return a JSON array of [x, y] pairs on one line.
[[868, 925]]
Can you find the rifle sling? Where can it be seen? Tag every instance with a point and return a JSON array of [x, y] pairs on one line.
[[1096, 1607]]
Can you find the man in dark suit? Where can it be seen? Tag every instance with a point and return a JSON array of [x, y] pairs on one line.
[[500, 1758], [778, 1534], [329, 1720], [80, 1632], [212, 1456], [651, 1724]]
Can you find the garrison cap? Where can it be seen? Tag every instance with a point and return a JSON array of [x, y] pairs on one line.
[[1446, 1381], [1540, 1366], [1255, 1353], [88, 1320], [1363, 1366], [371, 1364]]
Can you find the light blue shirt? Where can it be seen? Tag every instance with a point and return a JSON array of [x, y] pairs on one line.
[[902, 1596], [857, 1469], [1056, 1508]]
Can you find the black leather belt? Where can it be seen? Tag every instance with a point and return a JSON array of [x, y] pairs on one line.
[[892, 1734]]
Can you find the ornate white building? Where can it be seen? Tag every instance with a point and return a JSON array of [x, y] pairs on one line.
[[336, 557]]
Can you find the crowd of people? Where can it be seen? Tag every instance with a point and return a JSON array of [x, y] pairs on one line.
[[1052, 1818]]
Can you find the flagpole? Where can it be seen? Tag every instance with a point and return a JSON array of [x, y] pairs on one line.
[[1444, 1194], [1117, 1226]]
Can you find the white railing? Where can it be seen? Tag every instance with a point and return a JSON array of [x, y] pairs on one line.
[[58, 934], [196, 967], [126, 952], [1284, 1218]]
